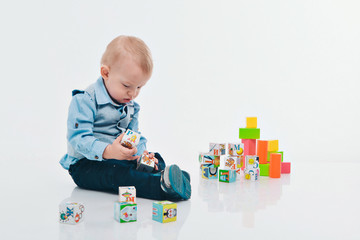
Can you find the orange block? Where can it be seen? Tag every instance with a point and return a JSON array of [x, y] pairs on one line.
[[262, 150], [275, 165]]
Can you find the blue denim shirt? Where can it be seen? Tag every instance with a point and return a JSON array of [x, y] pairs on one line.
[[94, 121]]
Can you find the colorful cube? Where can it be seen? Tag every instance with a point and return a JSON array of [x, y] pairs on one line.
[[252, 174], [208, 158], [251, 162], [273, 145], [230, 162], [209, 171], [264, 169], [71, 212], [249, 133], [227, 176], [164, 211], [127, 194], [130, 139], [285, 167], [125, 212], [251, 122], [217, 149], [145, 163], [235, 149]]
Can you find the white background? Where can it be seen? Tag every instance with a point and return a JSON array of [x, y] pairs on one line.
[[293, 64]]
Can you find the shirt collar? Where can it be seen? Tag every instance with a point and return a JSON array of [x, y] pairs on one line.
[[102, 96]]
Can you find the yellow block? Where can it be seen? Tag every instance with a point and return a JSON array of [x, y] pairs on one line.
[[251, 122], [273, 145]]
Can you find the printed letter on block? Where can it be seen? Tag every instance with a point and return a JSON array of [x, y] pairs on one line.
[[130, 139], [127, 194]]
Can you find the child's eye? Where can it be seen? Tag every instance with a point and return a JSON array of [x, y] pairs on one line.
[[126, 86], [138, 87]]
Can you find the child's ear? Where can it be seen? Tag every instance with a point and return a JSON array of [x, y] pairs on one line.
[[104, 71]]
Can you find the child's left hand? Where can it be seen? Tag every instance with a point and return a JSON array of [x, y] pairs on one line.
[[152, 155]]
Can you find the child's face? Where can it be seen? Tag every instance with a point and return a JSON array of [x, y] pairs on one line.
[[124, 80]]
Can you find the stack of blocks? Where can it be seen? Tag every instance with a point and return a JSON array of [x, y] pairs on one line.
[[264, 149], [125, 210], [210, 161], [252, 170], [254, 156]]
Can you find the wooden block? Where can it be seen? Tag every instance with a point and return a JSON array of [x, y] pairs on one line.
[[264, 169], [249, 133], [285, 167], [273, 145], [281, 152], [251, 122], [262, 150], [164, 211], [275, 165]]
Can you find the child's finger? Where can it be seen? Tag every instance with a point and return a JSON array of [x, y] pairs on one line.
[[133, 158], [119, 138]]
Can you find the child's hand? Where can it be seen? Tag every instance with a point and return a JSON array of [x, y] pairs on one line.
[[152, 155], [118, 151]]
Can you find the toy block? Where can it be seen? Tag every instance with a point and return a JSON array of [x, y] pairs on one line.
[[251, 122], [208, 158], [285, 167], [235, 149], [130, 139], [249, 148], [227, 176], [240, 161], [252, 174], [262, 150], [281, 152], [275, 165], [264, 169], [217, 149], [127, 194], [230, 162], [125, 212], [145, 163], [251, 162], [209, 171], [249, 133], [164, 211], [273, 145], [71, 212]]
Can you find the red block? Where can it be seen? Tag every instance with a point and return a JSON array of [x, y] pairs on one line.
[[249, 149], [285, 167]]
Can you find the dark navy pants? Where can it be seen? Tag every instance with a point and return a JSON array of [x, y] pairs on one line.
[[108, 175]]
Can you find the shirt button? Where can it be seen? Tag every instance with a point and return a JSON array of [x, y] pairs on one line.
[[96, 157], [76, 125]]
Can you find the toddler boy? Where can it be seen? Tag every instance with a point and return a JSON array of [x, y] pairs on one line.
[[97, 120]]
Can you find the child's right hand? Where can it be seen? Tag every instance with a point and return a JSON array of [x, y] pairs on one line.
[[118, 151]]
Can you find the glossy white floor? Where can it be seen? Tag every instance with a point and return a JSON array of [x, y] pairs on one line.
[[317, 202]]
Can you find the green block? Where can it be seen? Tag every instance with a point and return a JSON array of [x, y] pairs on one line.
[[281, 152], [249, 133], [264, 169]]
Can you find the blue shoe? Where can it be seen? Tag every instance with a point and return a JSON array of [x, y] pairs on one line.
[[186, 175], [176, 183]]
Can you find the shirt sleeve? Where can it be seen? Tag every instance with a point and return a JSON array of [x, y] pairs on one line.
[[134, 125], [82, 112]]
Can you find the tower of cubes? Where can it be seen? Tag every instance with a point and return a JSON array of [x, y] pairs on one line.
[[255, 157]]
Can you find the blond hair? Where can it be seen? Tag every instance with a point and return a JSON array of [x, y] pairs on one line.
[[129, 46]]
